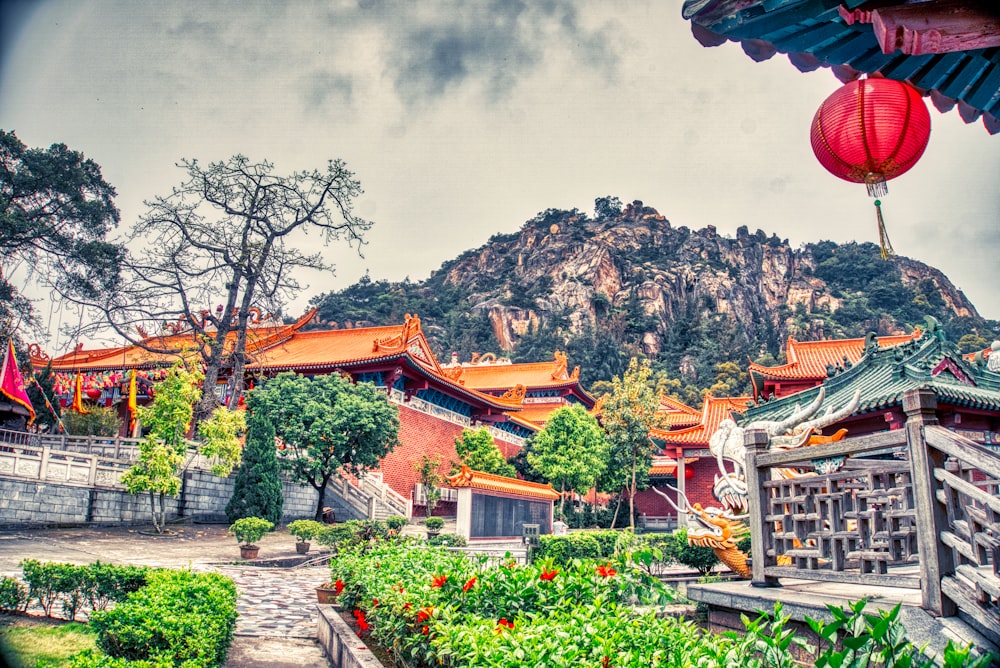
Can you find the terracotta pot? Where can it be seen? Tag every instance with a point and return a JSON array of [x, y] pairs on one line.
[[325, 595], [302, 547], [249, 551]]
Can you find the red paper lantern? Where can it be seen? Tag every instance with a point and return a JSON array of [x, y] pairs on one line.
[[94, 393], [688, 472], [870, 131]]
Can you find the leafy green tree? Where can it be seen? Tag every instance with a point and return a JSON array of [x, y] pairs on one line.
[[428, 468], [326, 423], [257, 488], [162, 451], [479, 452], [570, 451], [55, 210], [628, 414]]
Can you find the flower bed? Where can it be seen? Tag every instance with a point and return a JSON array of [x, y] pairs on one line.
[[427, 607]]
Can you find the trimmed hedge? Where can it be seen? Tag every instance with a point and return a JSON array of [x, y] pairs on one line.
[[93, 586], [180, 618]]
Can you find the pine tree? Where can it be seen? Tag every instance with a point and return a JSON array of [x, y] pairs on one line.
[[257, 490]]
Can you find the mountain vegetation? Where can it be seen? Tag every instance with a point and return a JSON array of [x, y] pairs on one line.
[[625, 283]]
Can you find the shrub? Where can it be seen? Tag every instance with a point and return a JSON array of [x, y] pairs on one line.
[[96, 584], [434, 523], [562, 549], [306, 530], [702, 559], [448, 540], [257, 488], [396, 523], [336, 536], [248, 530], [179, 617], [13, 595], [97, 421]]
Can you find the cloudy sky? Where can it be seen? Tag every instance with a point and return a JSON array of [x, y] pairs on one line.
[[464, 119]]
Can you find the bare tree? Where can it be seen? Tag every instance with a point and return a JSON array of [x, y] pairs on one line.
[[222, 247]]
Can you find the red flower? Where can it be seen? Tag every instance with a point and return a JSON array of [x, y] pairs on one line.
[[548, 575], [606, 662], [425, 630], [606, 571], [504, 622], [470, 584], [439, 580], [359, 617], [424, 614], [407, 605], [339, 586], [374, 602]]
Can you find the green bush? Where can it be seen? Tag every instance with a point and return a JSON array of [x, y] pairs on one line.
[[248, 530], [95, 584], [562, 549], [178, 618], [448, 540], [396, 523], [306, 530], [97, 421], [13, 595], [336, 535], [702, 559], [434, 523]]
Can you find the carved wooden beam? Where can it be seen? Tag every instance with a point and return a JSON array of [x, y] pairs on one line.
[[936, 26]]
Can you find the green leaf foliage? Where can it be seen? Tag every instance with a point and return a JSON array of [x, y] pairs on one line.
[[325, 423], [571, 450], [477, 450], [55, 212], [257, 490]]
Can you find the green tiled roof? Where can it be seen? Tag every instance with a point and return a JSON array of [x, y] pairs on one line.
[[884, 375]]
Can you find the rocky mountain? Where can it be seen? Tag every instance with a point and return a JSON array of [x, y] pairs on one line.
[[625, 281]]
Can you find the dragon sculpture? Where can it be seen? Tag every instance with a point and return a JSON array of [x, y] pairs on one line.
[[723, 528]]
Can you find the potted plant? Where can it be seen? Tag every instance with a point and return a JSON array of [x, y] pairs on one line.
[[304, 530], [248, 530], [434, 525]]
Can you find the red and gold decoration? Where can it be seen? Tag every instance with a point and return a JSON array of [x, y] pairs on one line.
[[869, 131], [132, 406], [12, 383], [77, 404]]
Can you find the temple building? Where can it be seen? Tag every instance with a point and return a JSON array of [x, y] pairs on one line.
[[436, 403]]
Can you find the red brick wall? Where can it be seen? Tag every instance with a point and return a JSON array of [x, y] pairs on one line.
[[422, 434], [698, 488]]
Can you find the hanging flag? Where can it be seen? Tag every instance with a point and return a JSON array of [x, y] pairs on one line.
[[131, 404], [11, 382], [77, 404]]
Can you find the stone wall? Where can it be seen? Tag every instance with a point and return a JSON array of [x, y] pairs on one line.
[[204, 499]]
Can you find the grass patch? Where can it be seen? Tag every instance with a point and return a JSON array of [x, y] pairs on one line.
[[26, 642]]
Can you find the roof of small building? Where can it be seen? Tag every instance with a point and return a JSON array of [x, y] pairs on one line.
[[845, 36], [495, 483]]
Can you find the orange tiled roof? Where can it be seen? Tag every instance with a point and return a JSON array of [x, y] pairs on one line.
[[495, 483], [499, 376], [809, 359], [184, 346], [715, 410], [675, 414], [538, 414]]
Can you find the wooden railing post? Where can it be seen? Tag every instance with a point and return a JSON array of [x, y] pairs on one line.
[[755, 441], [936, 558]]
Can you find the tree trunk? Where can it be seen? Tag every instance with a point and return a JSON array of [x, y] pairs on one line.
[[152, 511], [631, 496], [321, 499], [618, 507], [562, 497]]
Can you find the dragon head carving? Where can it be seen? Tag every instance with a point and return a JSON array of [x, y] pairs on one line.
[[727, 444]]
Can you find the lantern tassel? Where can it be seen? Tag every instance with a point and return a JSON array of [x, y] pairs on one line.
[[883, 236]]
